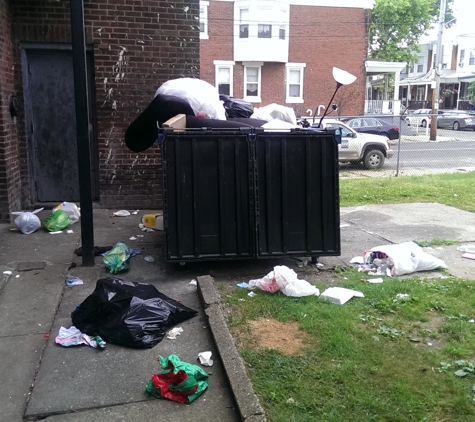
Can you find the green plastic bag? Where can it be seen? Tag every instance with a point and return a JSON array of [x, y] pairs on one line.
[[179, 381], [57, 220], [117, 259]]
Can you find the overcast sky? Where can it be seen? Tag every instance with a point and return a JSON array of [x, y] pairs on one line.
[[464, 11]]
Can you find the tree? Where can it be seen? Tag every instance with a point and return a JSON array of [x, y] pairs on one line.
[[397, 26]]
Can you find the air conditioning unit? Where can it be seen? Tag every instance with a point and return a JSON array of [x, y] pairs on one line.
[[460, 64]]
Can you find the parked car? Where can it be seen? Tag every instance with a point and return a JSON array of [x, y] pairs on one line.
[[374, 126], [456, 119], [421, 117], [366, 148]]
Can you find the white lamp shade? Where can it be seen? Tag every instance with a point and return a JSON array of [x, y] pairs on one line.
[[343, 77]]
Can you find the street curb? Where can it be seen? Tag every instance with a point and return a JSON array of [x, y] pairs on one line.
[[246, 400]]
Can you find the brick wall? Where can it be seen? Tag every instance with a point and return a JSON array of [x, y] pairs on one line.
[[328, 37], [137, 45], [219, 45], [321, 37], [9, 155]]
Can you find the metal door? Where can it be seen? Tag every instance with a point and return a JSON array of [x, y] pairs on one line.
[[51, 125], [297, 198]]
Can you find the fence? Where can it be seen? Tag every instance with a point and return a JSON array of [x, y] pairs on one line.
[[416, 149]]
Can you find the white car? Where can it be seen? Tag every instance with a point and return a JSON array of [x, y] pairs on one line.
[[366, 148], [421, 117]]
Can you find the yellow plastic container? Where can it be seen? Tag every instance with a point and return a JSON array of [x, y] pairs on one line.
[[153, 221]]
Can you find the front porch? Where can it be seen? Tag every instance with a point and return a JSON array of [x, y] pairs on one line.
[[417, 92], [379, 88]]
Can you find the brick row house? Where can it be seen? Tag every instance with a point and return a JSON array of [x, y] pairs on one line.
[[133, 46], [283, 51]]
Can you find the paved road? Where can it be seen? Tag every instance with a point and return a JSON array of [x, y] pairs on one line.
[[452, 151], [448, 155]]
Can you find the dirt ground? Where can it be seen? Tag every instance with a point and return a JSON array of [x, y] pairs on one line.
[[272, 334]]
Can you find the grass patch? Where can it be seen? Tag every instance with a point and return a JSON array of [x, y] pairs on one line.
[[384, 357], [404, 352], [450, 189], [435, 242]]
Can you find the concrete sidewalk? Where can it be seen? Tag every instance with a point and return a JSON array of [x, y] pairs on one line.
[[43, 380]]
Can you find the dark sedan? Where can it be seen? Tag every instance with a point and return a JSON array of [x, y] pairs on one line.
[[374, 126]]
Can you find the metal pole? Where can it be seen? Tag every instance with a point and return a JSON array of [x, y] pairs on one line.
[[438, 71], [82, 129]]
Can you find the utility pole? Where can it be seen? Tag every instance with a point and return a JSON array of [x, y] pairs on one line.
[[438, 71]]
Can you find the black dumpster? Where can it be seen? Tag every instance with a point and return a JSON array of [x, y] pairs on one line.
[[249, 193]]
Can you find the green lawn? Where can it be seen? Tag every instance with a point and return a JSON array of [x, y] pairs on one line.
[[377, 358]]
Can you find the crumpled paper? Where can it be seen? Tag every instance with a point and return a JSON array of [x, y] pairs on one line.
[[205, 358], [174, 333]]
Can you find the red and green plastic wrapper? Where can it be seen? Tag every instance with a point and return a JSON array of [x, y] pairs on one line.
[[178, 381]]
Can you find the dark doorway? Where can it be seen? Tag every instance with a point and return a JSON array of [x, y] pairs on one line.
[[51, 125]]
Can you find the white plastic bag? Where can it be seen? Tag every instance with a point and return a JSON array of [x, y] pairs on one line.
[[408, 258], [285, 279], [267, 283], [27, 222], [71, 209], [202, 96], [275, 111]]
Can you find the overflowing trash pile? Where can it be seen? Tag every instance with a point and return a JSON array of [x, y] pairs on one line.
[[203, 107]]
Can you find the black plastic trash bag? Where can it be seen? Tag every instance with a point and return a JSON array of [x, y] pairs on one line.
[[128, 313], [235, 107]]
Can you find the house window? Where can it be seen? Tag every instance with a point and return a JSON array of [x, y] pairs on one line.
[[294, 82], [264, 31], [471, 60], [462, 58], [224, 77], [252, 82], [204, 19], [244, 23], [420, 68], [282, 32]]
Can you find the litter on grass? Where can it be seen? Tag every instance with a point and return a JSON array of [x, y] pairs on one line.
[[284, 279], [399, 259], [340, 295], [375, 280]]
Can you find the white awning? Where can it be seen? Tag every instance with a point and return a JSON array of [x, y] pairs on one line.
[[448, 76], [376, 67]]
